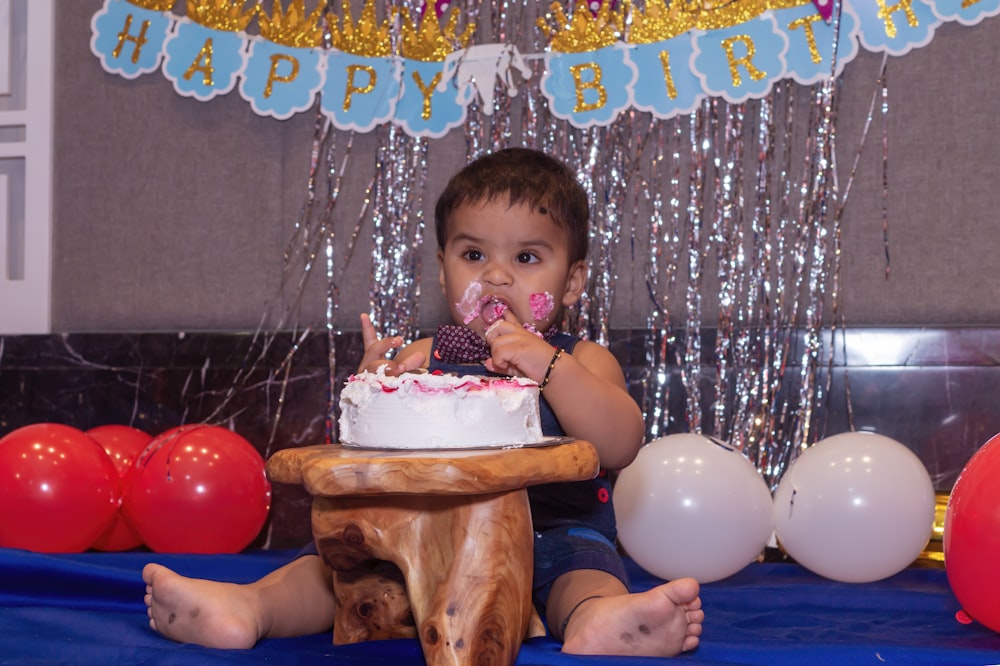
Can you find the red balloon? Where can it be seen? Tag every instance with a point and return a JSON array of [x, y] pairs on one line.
[[59, 490], [972, 535], [124, 444], [198, 489]]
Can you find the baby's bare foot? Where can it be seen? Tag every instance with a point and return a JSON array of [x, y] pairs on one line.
[[192, 610], [661, 622]]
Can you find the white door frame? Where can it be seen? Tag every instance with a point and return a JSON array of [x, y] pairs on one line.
[[27, 38]]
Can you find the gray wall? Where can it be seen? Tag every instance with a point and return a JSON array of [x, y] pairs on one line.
[[172, 214]]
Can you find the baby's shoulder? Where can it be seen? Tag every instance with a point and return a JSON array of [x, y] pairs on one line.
[[584, 348], [598, 359]]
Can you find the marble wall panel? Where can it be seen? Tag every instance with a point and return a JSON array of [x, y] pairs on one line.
[[935, 390]]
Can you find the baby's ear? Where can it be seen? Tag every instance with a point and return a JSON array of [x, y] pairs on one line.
[[440, 256], [576, 282]]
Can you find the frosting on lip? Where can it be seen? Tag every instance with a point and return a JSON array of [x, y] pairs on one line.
[[474, 305], [492, 310]]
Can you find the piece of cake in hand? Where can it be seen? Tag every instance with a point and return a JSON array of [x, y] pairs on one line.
[[438, 411]]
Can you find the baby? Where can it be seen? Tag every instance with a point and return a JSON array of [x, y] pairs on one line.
[[512, 245]]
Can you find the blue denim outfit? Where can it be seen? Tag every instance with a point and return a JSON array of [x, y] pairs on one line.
[[574, 522]]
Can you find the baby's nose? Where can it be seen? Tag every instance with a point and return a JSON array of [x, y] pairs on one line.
[[496, 274]]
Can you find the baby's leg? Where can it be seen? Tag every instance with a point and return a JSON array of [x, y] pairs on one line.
[[295, 600], [600, 617]]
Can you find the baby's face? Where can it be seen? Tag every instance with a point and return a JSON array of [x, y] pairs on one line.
[[498, 257]]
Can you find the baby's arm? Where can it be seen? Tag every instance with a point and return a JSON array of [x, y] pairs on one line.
[[412, 357], [586, 389]]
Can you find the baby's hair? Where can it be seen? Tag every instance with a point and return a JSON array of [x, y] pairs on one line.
[[520, 176]]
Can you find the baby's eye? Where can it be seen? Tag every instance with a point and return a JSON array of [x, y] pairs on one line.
[[527, 258], [473, 255]]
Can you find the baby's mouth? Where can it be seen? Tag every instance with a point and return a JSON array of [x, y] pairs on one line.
[[492, 309]]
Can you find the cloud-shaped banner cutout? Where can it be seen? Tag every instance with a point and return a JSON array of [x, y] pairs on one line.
[[964, 11], [589, 89], [128, 40], [280, 81], [810, 42], [203, 63], [894, 26], [666, 86], [423, 110], [360, 92], [741, 62]]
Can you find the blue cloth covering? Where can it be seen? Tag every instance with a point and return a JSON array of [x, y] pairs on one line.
[[87, 609]]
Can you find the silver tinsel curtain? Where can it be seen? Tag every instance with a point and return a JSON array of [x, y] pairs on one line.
[[727, 220]]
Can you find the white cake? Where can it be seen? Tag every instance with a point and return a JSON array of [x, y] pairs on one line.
[[438, 411]]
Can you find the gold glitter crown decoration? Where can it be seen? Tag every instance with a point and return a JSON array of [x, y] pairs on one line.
[[428, 41], [367, 37], [727, 13], [225, 15], [154, 5], [293, 28], [788, 4], [659, 23], [586, 31]]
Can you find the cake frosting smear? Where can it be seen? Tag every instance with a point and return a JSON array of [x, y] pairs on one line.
[[438, 411], [474, 304]]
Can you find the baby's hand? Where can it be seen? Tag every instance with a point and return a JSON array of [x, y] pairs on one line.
[[514, 350], [376, 348]]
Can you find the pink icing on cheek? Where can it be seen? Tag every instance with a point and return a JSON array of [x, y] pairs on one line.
[[542, 305], [470, 305]]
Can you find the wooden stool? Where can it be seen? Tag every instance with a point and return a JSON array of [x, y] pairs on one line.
[[433, 544]]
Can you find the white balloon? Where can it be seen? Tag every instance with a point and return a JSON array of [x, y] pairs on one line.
[[856, 507], [691, 506]]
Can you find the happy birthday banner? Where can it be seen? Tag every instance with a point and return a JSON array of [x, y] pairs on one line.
[[422, 76]]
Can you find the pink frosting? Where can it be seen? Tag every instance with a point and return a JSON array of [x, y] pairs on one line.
[[468, 383], [542, 305], [474, 304], [471, 304], [492, 310]]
